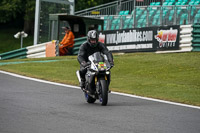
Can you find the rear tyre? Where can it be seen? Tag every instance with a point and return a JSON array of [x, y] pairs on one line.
[[103, 92], [88, 98]]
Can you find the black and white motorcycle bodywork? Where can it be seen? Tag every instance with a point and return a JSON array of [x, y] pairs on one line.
[[97, 79]]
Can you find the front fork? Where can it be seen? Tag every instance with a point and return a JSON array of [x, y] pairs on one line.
[[106, 77]]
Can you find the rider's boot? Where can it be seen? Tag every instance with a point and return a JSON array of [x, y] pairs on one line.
[[82, 84]]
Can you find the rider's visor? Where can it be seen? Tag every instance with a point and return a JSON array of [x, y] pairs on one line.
[[93, 39]]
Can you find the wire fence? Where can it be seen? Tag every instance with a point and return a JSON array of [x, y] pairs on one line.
[[113, 8], [146, 16], [145, 13]]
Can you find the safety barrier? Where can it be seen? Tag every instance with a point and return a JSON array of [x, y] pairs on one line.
[[52, 49], [49, 49], [36, 51], [77, 44], [189, 41], [112, 8], [19, 54], [196, 37], [186, 38]]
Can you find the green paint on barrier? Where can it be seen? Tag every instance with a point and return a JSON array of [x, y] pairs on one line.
[[20, 62]]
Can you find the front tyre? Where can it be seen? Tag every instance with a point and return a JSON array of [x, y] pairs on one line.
[[103, 86]]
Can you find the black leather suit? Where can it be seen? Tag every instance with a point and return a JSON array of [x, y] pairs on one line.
[[86, 50]]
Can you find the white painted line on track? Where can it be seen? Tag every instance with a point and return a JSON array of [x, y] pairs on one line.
[[116, 93], [39, 80], [157, 100]]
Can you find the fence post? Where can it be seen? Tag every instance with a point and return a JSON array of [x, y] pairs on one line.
[[118, 6]]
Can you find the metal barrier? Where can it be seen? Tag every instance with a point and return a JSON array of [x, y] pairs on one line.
[[77, 44], [186, 38], [112, 8], [48, 49], [148, 16], [148, 2], [36, 51], [105, 9], [19, 54], [196, 37], [144, 13]]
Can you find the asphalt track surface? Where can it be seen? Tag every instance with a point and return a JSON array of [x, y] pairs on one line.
[[28, 106]]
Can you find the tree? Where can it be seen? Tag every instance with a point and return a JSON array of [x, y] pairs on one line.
[[29, 16], [84, 4], [25, 9], [10, 9]]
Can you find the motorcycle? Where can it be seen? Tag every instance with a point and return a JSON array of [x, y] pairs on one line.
[[97, 79]]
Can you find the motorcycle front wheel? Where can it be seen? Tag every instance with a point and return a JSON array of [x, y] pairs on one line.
[[103, 96]]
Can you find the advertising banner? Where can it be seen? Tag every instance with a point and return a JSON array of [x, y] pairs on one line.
[[167, 38], [141, 39]]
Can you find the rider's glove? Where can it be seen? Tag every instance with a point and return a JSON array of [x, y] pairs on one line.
[[111, 64], [85, 64]]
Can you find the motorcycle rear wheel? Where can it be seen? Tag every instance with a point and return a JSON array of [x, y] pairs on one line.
[[88, 98]]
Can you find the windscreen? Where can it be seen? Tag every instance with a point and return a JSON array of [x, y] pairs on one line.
[[98, 57]]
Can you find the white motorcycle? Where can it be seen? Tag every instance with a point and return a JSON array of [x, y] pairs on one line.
[[97, 79]]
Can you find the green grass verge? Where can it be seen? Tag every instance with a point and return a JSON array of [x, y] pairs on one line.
[[9, 43], [173, 77]]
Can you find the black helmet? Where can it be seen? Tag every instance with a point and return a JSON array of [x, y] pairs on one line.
[[93, 35]]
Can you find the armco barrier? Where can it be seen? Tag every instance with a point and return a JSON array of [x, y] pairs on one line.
[[186, 38], [196, 37], [77, 44], [36, 51], [48, 49], [37, 55], [19, 53]]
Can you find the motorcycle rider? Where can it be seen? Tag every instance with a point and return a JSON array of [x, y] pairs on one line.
[[88, 48]]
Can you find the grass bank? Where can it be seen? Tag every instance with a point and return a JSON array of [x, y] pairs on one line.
[[173, 77]]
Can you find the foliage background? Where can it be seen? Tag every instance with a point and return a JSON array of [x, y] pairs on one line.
[[21, 13]]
